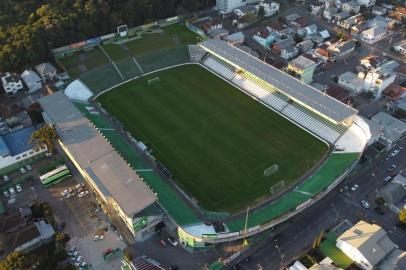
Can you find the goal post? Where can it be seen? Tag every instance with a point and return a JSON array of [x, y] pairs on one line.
[[275, 188], [271, 170], [156, 79]]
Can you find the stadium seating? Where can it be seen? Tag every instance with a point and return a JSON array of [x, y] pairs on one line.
[[223, 69], [271, 96]]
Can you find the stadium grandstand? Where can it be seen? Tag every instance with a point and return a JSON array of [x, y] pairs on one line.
[[118, 188]]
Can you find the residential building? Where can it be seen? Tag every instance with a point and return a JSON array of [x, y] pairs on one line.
[[393, 128], [366, 3], [295, 21], [11, 83], [281, 44], [400, 47], [321, 36], [289, 52], [399, 13], [350, 81], [323, 53], [278, 28], [329, 13], [210, 24], [32, 236], [302, 68], [31, 80], [227, 6], [270, 8], [15, 147], [342, 50], [371, 62], [351, 21], [341, 16], [378, 79], [47, 72], [142, 263], [395, 92], [373, 35], [310, 30], [379, 10], [393, 194], [351, 7], [325, 264], [118, 188], [305, 45], [365, 244], [235, 39], [245, 10], [219, 33], [264, 37], [358, 28], [379, 21]]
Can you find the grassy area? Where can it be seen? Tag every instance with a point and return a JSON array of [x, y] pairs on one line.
[[329, 249], [215, 140]]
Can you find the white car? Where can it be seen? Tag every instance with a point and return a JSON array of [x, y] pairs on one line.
[[28, 167], [22, 170], [18, 188], [354, 187], [69, 195], [5, 193], [80, 185], [83, 193], [387, 179], [172, 241], [6, 178], [78, 260], [66, 191], [12, 191], [365, 204]]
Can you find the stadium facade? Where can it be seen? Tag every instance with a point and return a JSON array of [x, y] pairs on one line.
[[118, 188]]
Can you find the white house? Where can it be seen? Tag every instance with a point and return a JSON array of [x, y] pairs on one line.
[[269, 8], [351, 82], [373, 35], [11, 83], [289, 52], [351, 7], [329, 13], [365, 244], [47, 71], [227, 6], [31, 80], [366, 3], [393, 128], [378, 79]]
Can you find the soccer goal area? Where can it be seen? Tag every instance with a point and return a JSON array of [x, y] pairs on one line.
[[154, 80]]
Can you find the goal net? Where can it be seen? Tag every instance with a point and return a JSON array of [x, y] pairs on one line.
[[271, 170], [156, 79], [277, 187]]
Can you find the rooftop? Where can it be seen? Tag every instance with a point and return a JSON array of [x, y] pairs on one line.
[[297, 90], [302, 62], [113, 176], [370, 240], [19, 141]]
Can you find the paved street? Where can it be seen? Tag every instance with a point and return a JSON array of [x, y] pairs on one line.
[[298, 234]]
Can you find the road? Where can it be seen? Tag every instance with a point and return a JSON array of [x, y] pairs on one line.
[[298, 234]]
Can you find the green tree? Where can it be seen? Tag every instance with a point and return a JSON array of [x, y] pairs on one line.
[[261, 12], [45, 136], [15, 261]]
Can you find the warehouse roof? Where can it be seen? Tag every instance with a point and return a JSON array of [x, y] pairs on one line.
[[112, 175], [295, 89]]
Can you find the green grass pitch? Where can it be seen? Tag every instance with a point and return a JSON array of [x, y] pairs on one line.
[[215, 140]]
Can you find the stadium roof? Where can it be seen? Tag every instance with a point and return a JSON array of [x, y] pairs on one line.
[[110, 173], [295, 89]]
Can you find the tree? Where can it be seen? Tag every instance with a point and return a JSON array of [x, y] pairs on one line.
[[380, 201], [15, 260], [261, 12], [45, 136], [402, 215], [128, 255]]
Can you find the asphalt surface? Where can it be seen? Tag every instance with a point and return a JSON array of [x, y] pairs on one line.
[[298, 234]]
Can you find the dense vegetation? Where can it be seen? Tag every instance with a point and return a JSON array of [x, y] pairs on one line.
[[29, 28]]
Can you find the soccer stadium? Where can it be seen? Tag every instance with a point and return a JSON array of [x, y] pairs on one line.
[[211, 134]]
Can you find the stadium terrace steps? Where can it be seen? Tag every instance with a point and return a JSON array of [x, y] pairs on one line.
[[221, 68], [310, 123]]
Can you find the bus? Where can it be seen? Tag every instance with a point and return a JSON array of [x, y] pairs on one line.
[[55, 176]]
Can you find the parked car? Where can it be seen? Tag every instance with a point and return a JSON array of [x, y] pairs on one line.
[[365, 204], [387, 179], [83, 193], [28, 167], [71, 251], [5, 193], [392, 168], [6, 178], [66, 191], [78, 260], [69, 195], [22, 170], [12, 191], [394, 153], [18, 188], [172, 241], [379, 210], [81, 185], [354, 187]]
